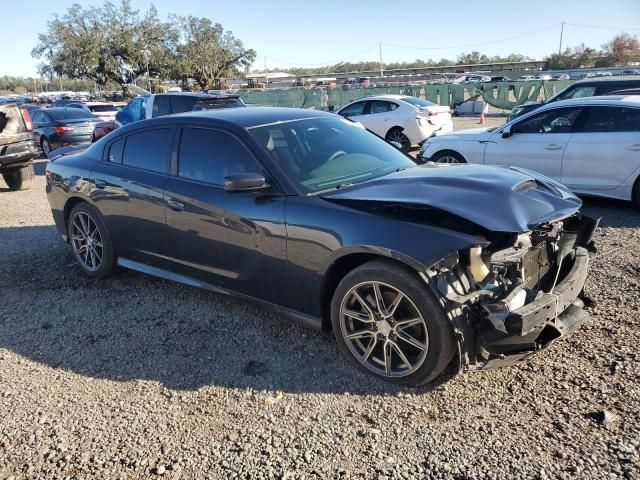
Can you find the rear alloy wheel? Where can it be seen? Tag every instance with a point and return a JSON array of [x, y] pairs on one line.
[[448, 157], [396, 135], [90, 241], [21, 178], [389, 324], [46, 147]]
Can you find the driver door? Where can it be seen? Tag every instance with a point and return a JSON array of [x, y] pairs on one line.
[[537, 142]]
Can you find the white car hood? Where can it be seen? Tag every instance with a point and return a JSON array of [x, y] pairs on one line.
[[472, 134]]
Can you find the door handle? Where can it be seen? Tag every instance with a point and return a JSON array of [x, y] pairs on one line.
[[174, 205], [553, 146], [634, 148], [100, 184]]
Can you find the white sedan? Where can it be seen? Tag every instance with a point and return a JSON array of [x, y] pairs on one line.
[[592, 145], [399, 118], [102, 110]]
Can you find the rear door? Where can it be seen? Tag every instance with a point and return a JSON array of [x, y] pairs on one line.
[[227, 239], [128, 190], [605, 151], [382, 117], [537, 142]]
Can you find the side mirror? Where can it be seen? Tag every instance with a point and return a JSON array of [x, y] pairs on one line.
[[398, 145], [244, 182], [506, 133]]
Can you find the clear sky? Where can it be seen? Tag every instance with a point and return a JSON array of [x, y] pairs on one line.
[[308, 33]]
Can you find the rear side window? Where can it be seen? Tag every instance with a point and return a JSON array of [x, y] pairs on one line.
[[612, 119], [149, 149], [378, 106], [210, 155], [181, 104], [115, 151], [161, 106], [578, 92]]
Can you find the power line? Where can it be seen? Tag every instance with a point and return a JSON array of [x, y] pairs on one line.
[[601, 26], [476, 44], [324, 63]]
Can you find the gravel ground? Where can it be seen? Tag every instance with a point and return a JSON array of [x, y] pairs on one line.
[[134, 377]]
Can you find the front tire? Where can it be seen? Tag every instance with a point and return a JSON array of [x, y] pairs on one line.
[[20, 179], [388, 323], [396, 135], [90, 241], [448, 156]]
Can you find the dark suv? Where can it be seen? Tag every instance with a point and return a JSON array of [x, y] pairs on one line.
[[17, 149], [594, 87]]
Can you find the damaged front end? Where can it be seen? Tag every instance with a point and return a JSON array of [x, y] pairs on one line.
[[517, 295]]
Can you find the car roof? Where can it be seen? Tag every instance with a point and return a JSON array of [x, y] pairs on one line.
[[597, 80], [613, 100], [96, 104], [239, 117], [202, 95]]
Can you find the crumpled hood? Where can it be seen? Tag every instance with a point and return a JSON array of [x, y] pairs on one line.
[[501, 199]]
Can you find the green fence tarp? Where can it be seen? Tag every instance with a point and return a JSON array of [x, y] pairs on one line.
[[501, 95]]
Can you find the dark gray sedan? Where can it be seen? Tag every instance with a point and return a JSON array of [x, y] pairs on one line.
[[58, 127]]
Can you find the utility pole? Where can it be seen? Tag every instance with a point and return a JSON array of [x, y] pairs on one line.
[[561, 33], [381, 68]]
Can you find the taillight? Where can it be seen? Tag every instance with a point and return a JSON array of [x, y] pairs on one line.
[[62, 129], [26, 116]]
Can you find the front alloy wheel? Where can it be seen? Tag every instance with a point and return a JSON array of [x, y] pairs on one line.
[[388, 323], [384, 329]]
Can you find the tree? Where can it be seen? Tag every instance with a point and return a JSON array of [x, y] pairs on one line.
[[206, 52], [472, 58], [578, 57], [620, 51], [105, 43]]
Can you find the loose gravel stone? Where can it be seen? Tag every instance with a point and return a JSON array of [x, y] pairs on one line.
[[129, 376]]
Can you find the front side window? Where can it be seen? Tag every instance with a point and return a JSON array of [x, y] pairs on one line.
[[149, 149], [559, 120], [209, 156], [322, 153], [612, 119], [353, 109]]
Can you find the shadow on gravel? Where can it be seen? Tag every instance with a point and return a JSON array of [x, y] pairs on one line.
[[614, 213], [135, 327]]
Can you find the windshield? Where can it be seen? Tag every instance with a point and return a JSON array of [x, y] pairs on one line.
[[102, 108], [217, 103], [418, 102], [69, 114], [323, 153]]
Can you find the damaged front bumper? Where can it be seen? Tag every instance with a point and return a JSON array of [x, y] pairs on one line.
[[536, 325]]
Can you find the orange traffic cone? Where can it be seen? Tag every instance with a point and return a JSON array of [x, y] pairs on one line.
[[482, 121]]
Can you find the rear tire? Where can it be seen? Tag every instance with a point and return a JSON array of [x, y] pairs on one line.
[[90, 241], [20, 179], [415, 336], [448, 156], [45, 146], [396, 135]]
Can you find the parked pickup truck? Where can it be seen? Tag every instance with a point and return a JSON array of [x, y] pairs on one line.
[[17, 148]]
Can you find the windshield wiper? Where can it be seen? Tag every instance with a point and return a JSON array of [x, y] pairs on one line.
[[337, 187]]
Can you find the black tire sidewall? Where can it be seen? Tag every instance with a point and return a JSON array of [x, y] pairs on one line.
[[42, 143], [448, 153], [20, 179], [406, 146], [441, 340], [108, 256]]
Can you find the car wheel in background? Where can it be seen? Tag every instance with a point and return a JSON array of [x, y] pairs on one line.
[[448, 156], [46, 146], [20, 179], [90, 241], [396, 135], [388, 323]]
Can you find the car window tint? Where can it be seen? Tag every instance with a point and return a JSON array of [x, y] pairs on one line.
[[378, 106], [578, 92], [70, 114], [149, 149], [354, 109], [37, 117], [612, 119], [161, 106], [181, 104], [217, 103], [559, 120], [210, 155], [115, 151]]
